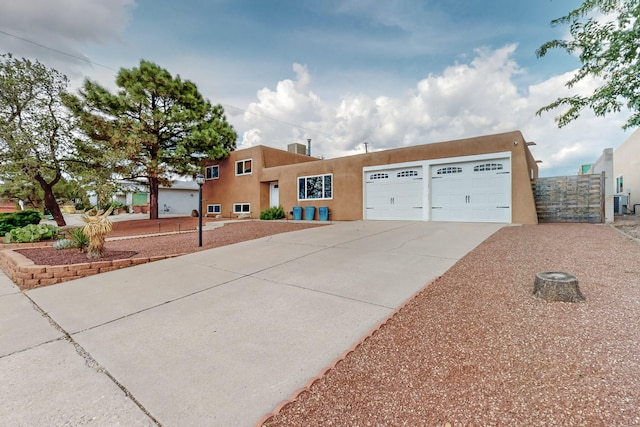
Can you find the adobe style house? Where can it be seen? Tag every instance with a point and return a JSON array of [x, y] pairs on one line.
[[604, 164], [626, 173], [481, 179]]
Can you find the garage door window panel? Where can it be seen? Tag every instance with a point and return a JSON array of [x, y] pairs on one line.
[[378, 176], [405, 174], [488, 167], [448, 171]]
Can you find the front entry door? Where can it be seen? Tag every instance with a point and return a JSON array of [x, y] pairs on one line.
[[274, 195]]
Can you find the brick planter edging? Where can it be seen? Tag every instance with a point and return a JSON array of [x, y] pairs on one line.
[[27, 275]]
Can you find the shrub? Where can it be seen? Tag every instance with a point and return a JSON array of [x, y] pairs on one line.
[[272, 213], [31, 233], [115, 206], [65, 244], [9, 221], [80, 239], [82, 206]]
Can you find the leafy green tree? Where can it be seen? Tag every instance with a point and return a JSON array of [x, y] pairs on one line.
[[152, 126], [20, 187], [35, 127], [604, 36]]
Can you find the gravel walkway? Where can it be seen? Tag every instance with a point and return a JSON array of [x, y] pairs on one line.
[[476, 348]]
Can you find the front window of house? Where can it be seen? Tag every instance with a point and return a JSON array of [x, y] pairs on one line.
[[240, 208], [315, 187], [214, 209], [243, 167], [212, 172]]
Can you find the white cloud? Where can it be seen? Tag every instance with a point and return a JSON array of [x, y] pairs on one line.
[[80, 20], [466, 99], [67, 26]]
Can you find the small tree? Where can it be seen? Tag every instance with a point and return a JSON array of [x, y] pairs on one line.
[[96, 228], [604, 36], [35, 127]]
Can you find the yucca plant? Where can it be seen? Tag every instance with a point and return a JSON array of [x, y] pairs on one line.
[[96, 228], [79, 238]]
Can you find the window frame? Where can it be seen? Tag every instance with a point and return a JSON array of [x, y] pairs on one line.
[[243, 162], [378, 175], [488, 167], [209, 176], [324, 190], [213, 211], [620, 184], [448, 170], [242, 211], [410, 173]]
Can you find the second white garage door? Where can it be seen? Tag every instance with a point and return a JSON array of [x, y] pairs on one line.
[[472, 191], [395, 194]]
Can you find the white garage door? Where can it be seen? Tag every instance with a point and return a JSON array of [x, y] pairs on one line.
[[394, 194], [472, 191]]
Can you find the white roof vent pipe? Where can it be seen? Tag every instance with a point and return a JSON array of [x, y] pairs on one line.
[[309, 147]]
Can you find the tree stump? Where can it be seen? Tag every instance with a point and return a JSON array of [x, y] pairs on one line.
[[557, 286]]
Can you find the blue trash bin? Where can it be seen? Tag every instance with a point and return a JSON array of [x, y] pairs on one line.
[[309, 212], [323, 213], [297, 213]]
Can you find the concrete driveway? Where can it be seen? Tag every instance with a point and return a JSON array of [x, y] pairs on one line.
[[215, 338]]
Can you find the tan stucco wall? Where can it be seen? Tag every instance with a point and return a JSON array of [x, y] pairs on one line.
[[229, 189], [347, 202], [626, 162]]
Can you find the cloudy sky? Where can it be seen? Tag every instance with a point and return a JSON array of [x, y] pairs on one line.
[[341, 72]]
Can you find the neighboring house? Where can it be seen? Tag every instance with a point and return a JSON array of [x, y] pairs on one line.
[[604, 164], [626, 173], [179, 199], [481, 179], [9, 205]]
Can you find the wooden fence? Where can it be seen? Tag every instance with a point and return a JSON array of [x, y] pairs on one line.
[[578, 198]]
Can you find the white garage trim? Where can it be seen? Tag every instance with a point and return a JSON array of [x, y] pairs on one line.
[[493, 184], [394, 193], [473, 191]]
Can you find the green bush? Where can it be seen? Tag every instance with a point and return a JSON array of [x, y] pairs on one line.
[[31, 233], [79, 238], [113, 204], [9, 221], [272, 213]]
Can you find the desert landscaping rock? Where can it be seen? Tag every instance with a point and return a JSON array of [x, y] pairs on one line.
[[477, 348]]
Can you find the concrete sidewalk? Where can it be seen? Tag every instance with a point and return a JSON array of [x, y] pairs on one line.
[[215, 338]]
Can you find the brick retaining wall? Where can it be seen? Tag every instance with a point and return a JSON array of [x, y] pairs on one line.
[[27, 275]]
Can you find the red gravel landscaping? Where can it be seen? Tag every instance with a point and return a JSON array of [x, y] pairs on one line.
[[170, 244], [476, 348]]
